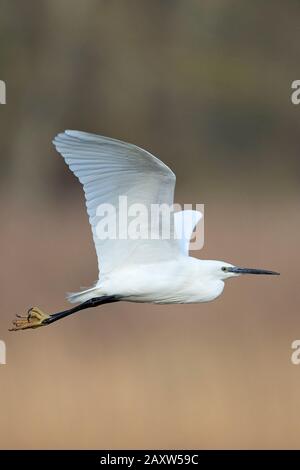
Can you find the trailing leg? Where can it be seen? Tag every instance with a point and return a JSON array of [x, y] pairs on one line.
[[36, 318]]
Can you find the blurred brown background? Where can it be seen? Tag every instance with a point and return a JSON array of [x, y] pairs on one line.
[[206, 86]]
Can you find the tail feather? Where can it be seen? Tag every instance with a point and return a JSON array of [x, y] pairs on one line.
[[79, 297]]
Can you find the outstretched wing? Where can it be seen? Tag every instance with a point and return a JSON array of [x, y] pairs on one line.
[[107, 169], [185, 223]]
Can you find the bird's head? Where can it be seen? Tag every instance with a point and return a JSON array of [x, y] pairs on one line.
[[222, 270]]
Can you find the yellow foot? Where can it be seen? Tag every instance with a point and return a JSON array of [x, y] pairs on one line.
[[34, 319]]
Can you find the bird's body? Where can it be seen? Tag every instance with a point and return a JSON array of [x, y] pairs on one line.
[[191, 283], [151, 268]]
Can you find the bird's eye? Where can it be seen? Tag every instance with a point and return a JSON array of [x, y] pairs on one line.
[[224, 269]]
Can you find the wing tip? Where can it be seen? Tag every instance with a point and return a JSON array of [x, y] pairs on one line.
[[74, 136], [66, 133]]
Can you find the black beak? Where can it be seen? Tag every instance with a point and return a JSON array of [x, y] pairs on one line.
[[250, 271]]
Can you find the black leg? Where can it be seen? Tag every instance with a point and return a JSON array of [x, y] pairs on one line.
[[105, 299]]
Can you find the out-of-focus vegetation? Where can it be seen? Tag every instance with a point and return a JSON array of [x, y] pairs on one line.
[[206, 86]]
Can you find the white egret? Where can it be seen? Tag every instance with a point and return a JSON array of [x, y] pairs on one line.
[[133, 269]]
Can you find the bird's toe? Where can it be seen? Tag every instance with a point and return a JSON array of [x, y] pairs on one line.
[[34, 319]]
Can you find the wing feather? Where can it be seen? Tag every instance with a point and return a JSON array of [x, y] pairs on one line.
[[185, 224], [108, 168]]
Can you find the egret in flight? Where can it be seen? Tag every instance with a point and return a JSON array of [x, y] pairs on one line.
[[132, 269]]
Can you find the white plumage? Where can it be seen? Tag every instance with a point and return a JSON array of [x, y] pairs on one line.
[[137, 270], [147, 266]]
